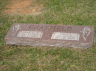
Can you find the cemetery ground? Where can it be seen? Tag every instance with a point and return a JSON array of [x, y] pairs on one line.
[[65, 12]]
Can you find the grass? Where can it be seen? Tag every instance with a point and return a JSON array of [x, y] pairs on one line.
[[66, 12]]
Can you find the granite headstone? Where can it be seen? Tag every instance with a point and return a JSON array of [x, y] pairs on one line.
[[51, 35]]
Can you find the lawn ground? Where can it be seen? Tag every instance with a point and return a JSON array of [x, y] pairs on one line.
[[65, 12]]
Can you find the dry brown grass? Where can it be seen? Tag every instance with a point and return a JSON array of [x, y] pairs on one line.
[[28, 7]]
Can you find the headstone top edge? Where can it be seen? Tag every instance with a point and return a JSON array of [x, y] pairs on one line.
[[51, 24]]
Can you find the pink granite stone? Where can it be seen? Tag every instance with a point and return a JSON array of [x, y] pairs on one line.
[[51, 35]]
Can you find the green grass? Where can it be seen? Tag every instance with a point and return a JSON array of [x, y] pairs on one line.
[[66, 12]]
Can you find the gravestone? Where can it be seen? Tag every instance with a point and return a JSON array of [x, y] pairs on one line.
[[51, 35]]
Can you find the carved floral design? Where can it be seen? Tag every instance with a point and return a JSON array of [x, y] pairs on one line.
[[86, 32], [15, 29]]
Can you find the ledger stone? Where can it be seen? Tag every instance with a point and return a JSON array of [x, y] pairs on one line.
[[51, 35]]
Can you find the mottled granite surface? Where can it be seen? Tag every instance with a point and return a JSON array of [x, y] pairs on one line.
[[50, 35]]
